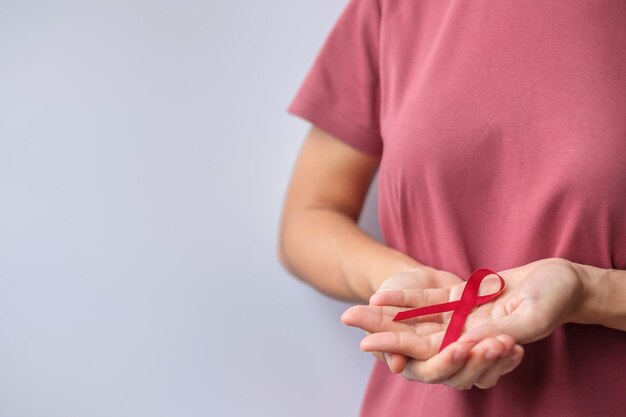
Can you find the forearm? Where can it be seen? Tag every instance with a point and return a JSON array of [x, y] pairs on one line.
[[327, 249], [604, 297]]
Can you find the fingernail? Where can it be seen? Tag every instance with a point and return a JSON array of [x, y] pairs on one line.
[[373, 298], [460, 354], [387, 358], [491, 354]]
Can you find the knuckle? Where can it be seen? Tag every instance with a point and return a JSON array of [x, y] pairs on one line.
[[431, 378], [557, 260], [405, 298], [486, 383], [408, 373], [408, 343], [380, 318], [408, 376], [428, 344], [448, 383], [460, 386], [428, 379]]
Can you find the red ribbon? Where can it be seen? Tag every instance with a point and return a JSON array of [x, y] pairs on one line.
[[462, 308]]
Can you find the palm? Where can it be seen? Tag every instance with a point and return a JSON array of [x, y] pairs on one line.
[[433, 286], [539, 297]]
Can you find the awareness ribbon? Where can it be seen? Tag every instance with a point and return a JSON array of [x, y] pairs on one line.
[[462, 307]]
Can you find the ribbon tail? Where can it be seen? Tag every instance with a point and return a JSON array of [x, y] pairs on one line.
[[423, 311]]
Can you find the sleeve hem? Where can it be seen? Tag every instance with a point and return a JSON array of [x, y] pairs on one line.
[[337, 125]]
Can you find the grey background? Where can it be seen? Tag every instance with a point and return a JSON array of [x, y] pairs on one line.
[[145, 150]]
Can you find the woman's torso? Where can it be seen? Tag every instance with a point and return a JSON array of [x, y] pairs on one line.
[[504, 128]]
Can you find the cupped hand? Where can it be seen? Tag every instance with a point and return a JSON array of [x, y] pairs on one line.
[[419, 278], [541, 296]]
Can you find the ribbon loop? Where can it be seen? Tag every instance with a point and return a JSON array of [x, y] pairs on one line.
[[462, 307]]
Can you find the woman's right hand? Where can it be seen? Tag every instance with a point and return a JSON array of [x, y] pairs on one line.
[[422, 277]]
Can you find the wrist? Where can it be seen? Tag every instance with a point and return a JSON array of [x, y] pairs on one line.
[[589, 309], [606, 292], [396, 263], [603, 294]]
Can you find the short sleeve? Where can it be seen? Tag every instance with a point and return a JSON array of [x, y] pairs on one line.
[[341, 94]]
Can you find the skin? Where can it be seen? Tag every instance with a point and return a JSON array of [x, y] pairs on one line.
[[321, 244], [479, 363], [319, 240], [539, 297]]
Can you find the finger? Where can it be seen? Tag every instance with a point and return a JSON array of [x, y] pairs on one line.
[[410, 297], [439, 367], [502, 367], [413, 298], [380, 319], [516, 359], [395, 361], [372, 318], [406, 343], [483, 356]]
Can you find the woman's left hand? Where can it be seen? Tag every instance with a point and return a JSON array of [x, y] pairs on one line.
[[538, 297]]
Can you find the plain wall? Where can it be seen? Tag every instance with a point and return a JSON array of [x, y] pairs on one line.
[[145, 150]]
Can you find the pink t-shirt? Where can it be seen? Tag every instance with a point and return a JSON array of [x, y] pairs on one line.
[[502, 130]]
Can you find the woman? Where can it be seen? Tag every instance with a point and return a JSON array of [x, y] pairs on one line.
[[498, 130]]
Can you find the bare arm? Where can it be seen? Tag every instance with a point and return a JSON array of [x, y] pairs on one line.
[[319, 239], [321, 243], [604, 292]]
